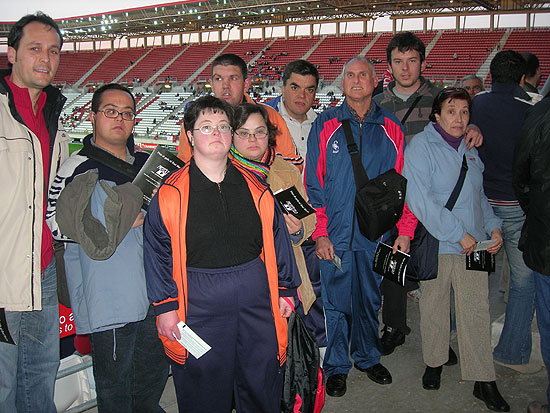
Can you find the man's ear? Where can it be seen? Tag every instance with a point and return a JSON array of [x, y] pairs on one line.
[[189, 137], [522, 81], [91, 117], [389, 69], [12, 55], [247, 83]]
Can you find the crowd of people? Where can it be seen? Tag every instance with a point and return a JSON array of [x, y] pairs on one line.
[[214, 258]]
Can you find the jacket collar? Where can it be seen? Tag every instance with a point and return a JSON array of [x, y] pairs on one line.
[[513, 89], [423, 90], [52, 109], [376, 115], [130, 144]]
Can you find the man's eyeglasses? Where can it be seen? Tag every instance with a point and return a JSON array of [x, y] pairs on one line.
[[209, 129], [260, 133], [113, 114]]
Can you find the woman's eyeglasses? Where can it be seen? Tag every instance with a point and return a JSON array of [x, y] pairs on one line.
[[223, 129], [260, 133]]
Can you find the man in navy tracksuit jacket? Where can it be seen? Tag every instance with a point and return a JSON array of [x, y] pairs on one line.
[[106, 279], [351, 297]]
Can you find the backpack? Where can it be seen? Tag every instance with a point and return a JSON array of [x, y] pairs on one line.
[[304, 379]]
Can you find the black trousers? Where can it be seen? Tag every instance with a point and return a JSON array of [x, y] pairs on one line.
[[394, 310], [230, 309]]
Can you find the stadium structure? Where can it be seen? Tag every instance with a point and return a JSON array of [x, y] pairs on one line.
[[164, 52]]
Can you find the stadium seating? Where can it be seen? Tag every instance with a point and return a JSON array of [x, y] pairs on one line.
[[160, 112]]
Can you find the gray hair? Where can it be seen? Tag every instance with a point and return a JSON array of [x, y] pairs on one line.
[[470, 77], [359, 59]]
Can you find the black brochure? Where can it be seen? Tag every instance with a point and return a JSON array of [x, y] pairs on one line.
[[293, 203], [480, 261], [5, 336], [160, 163], [390, 265]]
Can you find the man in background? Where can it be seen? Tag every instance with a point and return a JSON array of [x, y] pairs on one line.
[[409, 97], [532, 73], [530, 175], [473, 84], [500, 114], [230, 82], [300, 82]]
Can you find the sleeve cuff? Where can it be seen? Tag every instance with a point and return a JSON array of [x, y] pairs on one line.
[[287, 292], [165, 307]]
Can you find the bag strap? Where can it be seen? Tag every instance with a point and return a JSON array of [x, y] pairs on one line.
[[458, 187], [410, 110], [359, 173], [110, 160], [289, 303]]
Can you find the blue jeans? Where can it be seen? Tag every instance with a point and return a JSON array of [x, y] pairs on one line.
[[130, 367], [542, 283], [28, 369], [514, 346]]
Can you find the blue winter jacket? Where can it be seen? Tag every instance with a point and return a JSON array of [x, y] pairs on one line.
[[432, 168], [329, 174]]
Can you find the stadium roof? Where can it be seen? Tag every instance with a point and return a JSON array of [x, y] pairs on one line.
[[195, 16]]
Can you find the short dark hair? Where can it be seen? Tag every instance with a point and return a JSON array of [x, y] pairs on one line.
[[16, 31], [300, 67], [204, 104], [532, 63], [230, 59], [508, 66], [244, 110], [449, 93], [404, 42], [96, 98]]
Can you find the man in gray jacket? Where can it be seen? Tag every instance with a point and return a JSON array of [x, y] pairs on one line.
[[33, 143], [409, 97]]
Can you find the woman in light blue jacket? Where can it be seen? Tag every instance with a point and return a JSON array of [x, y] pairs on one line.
[[433, 162]]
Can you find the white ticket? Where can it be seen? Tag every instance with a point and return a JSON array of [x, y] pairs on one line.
[[191, 341]]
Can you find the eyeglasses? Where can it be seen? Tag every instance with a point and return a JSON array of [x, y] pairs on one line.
[[113, 114], [209, 129], [260, 133]]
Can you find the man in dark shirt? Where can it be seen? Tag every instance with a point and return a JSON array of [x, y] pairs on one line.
[[500, 114]]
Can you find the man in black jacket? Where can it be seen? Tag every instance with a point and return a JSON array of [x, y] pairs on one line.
[[501, 130], [531, 177]]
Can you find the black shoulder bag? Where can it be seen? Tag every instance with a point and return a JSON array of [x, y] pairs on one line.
[[424, 251], [379, 201]]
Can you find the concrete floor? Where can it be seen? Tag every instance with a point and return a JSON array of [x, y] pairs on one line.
[[406, 394]]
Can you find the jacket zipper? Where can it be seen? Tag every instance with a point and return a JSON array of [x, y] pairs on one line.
[[360, 157], [33, 222]]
